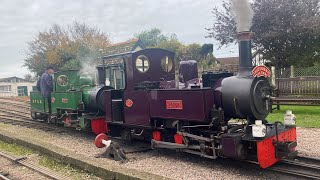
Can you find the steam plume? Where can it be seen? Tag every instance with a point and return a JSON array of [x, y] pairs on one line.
[[243, 13], [89, 69]]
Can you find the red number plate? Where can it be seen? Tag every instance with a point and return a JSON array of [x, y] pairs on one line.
[[64, 100], [174, 104]]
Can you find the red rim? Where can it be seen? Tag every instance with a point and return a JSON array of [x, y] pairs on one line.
[[98, 140]]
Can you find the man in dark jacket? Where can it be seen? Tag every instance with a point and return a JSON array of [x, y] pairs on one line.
[[46, 86]]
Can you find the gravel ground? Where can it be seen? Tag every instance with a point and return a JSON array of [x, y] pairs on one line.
[[308, 142], [15, 171], [166, 163], [170, 163]]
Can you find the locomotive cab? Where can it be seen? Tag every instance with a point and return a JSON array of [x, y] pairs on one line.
[[132, 75]]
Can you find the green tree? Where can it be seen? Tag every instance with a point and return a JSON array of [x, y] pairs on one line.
[[152, 37], [287, 32], [28, 77], [171, 43], [65, 48], [190, 52]]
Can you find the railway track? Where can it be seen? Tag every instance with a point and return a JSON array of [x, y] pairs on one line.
[[23, 161], [5, 113], [13, 110], [15, 99], [32, 124], [3, 177], [303, 167], [15, 105]]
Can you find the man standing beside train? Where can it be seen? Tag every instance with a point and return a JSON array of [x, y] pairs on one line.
[[46, 87]]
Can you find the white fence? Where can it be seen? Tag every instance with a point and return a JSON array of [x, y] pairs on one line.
[[13, 92]]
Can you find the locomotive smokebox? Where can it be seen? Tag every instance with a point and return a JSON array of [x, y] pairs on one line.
[[245, 56], [245, 96]]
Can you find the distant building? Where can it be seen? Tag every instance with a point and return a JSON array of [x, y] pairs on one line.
[[15, 86], [123, 47], [229, 63], [232, 63]]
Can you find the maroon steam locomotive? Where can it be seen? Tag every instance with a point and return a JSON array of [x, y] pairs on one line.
[[147, 104]]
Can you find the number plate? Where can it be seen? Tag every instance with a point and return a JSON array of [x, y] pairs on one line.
[[174, 104]]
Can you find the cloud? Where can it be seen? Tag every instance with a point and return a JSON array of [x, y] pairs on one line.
[[121, 19]]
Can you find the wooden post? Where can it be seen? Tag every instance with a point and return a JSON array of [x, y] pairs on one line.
[[273, 76], [291, 76]]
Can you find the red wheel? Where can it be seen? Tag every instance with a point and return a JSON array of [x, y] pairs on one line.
[[98, 140]]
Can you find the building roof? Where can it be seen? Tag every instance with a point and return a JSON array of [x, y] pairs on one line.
[[13, 79], [124, 47], [229, 60]]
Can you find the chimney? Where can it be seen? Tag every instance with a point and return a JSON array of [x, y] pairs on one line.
[[245, 56]]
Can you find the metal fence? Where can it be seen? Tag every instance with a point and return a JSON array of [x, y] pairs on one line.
[[301, 82], [293, 71]]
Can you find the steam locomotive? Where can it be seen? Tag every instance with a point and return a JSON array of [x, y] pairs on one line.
[[137, 97]]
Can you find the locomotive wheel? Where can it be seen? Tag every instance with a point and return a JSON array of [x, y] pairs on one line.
[[98, 140]]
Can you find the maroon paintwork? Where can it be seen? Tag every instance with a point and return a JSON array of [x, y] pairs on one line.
[[155, 72], [148, 104], [108, 106], [196, 104], [138, 113]]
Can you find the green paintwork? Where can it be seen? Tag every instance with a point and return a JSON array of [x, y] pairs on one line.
[[22, 91], [37, 102], [86, 93], [69, 93], [75, 81], [66, 100]]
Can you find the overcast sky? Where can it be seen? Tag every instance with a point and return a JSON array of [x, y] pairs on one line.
[[21, 20]]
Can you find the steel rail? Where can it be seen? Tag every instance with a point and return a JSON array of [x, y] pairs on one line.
[[31, 124], [9, 110], [24, 106], [44, 171], [2, 177], [15, 99], [300, 166], [9, 114]]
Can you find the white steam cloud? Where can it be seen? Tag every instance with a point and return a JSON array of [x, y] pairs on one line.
[[243, 13], [89, 69]]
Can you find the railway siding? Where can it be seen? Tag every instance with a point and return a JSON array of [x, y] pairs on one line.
[[89, 164]]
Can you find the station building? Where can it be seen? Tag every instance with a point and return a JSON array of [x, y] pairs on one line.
[[15, 86]]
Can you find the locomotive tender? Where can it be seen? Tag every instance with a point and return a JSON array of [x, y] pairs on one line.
[[142, 101]]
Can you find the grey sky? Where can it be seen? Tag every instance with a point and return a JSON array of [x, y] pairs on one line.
[[121, 19]]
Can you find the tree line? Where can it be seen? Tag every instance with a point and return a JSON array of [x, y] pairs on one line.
[[67, 47], [287, 32]]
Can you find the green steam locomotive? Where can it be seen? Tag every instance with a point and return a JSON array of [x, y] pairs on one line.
[[76, 101]]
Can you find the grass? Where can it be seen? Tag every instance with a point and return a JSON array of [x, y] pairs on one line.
[[15, 149], [66, 169], [47, 161], [307, 116]]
